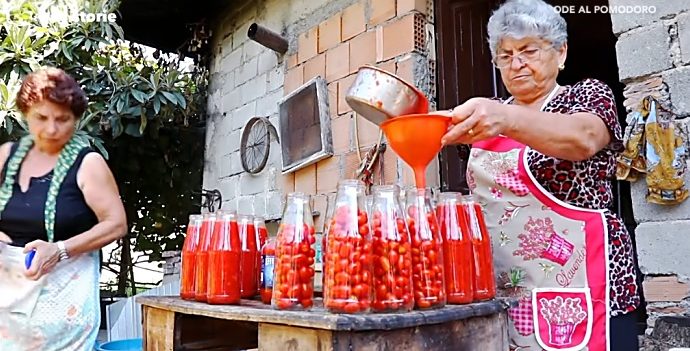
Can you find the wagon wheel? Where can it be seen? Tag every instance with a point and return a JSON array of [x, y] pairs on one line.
[[256, 143]]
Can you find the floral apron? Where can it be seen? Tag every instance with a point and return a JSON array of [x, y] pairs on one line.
[[550, 255], [60, 312]]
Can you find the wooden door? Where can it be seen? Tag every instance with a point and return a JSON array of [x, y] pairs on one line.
[[464, 71]]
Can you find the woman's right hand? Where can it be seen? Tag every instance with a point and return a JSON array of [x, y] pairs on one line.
[[5, 238]]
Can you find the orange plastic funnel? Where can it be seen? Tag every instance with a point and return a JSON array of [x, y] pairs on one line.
[[416, 139]]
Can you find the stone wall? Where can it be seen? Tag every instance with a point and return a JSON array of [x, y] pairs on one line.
[[330, 39], [653, 53]]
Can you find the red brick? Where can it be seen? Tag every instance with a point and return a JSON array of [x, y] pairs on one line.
[[354, 21], [293, 79], [405, 6], [316, 66], [333, 99], [305, 180], [379, 44], [337, 62], [329, 33], [388, 66], [666, 288], [398, 37], [350, 165], [390, 166], [405, 68], [368, 133], [362, 50], [327, 175], [307, 45], [343, 86], [292, 61], [340, 130], [286, 182], [381, 11]]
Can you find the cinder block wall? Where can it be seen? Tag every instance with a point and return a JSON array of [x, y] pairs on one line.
[[654, 59], [330, 39]]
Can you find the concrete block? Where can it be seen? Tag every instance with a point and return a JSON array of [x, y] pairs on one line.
[[274, 204], [251, 184], [229, 188], [239, 35], [678, 82], [260, 205], [268, 105], [253, 88], [231, 61], [275, 79], [247, 71], [243, 114], [230, 165], [626, 19], [650, 46], [231, 100], [251, 49], [268, 60], [245, 204], [684, 36], [232, 141], [662, 248], [227, 82], [230, 205]]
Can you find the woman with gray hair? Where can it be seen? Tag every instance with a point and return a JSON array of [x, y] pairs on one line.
[[541, 165]]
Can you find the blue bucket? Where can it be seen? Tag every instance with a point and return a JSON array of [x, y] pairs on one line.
[[122, 345]]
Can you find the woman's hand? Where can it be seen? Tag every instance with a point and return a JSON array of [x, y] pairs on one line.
[[476, 119], [46, 257], [5, 238]]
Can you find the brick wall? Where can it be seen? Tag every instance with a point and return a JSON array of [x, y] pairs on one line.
[[654, 59], [330, 39]]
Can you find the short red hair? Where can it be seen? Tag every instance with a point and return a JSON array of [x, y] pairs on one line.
[[56, 86]]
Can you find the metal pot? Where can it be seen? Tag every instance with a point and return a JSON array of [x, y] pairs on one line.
[[378, 96]]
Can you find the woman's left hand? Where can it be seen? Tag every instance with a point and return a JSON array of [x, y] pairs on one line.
[[476, 119], [46, 257]]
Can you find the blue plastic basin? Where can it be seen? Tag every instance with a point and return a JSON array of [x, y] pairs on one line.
[[122, 345]]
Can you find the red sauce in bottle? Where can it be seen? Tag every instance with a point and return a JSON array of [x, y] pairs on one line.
[[224, 262], [191, 244]]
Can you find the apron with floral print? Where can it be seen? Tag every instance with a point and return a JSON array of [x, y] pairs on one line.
[[549, 255]]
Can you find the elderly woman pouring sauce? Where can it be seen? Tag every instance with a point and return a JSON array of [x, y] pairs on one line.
[[541, 165], [59, 202]]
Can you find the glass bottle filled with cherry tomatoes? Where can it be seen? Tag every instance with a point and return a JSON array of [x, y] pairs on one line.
[[268, 260], [262, 237], [201, 273], [457, 248], [484, 282], [224, 261], [293, 285], [348, 259], [427, 253], [249, 256], [392, 260], [189, 249]]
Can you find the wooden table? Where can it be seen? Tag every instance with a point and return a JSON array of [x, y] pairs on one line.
[[171, 323]]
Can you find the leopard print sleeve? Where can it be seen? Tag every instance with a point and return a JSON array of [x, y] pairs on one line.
[[595, 97]]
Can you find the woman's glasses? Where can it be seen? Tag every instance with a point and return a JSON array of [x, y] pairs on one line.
[[524, 56]]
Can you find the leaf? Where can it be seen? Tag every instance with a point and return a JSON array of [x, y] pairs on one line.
[[139, 95], [170, 96], [116, 126], [157, 104], [182, 101]]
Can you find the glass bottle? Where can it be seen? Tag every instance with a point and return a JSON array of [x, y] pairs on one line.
[[189, 249], [201, 273], [295, 253], [262, 237], [348, 263], [484, 282], [248, 256], [427, 254], [268, 259], [391, 252], [224, 261], [457, 248]]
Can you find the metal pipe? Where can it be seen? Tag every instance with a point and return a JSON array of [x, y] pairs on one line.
[[267, 38]]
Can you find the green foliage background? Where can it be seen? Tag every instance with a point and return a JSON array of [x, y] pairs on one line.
[[146, 115]]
